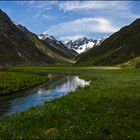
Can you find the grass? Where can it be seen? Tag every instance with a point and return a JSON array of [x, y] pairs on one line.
[[58, 69], [135, 62], [13, 81], [107, 109]]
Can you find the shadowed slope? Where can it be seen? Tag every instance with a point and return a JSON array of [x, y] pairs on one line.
[[119, 48]]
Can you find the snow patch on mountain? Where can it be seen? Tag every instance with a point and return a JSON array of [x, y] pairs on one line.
[[15, 23], [79, 45], [83, 44], [45, 36], [84, 47]]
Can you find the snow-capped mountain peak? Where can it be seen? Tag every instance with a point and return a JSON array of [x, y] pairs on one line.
[[81, 44], [15, 23]]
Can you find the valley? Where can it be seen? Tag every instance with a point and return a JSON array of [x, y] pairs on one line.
[[81, 88], [27, 48]]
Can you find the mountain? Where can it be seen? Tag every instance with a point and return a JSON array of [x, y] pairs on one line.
[[18, 46], [121, 48], [58, 47], [83, 44]]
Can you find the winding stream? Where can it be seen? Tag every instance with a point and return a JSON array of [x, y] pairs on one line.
[[51, 90]]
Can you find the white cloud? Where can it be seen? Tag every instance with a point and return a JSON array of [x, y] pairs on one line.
[[44, 5], [80, 5], [82, 26], [48, 17], [88, 5], [39, 4], [95, 17], [41, 7], [43, 14], [24, 2], [72, 37]]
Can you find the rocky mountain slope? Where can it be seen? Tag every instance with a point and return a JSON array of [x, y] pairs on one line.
[[18, 46], [58, 47], [121, 48]]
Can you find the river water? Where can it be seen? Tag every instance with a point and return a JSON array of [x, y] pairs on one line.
[[51, 90]]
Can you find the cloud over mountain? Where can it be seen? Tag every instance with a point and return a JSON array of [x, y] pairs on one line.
[[82, 26]]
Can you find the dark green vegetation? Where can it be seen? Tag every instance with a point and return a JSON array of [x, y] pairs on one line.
[[12, 81], [123, 47], [18, 46], [107, 109]]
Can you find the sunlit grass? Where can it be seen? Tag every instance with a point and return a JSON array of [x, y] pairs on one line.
[[12, 81], [59, 69]]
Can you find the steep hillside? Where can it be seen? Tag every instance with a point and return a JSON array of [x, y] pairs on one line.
[[57, 47], [119, 48], [18, 46]]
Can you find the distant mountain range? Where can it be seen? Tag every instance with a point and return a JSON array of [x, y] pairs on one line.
[[58, 46], [77, 46], [81, 45]]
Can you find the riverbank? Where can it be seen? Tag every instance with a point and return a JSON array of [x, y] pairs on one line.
[[107, 109], [55, 87], [11, 82]]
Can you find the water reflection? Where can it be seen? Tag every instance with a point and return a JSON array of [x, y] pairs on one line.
[[46, 92]]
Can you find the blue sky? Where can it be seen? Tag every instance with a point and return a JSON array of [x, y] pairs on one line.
[[72, 19]]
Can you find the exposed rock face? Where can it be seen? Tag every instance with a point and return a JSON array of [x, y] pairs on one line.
[[83, 44]]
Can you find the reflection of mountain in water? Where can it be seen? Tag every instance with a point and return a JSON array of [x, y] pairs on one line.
[[66, 84]]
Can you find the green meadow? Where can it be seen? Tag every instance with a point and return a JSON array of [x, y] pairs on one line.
[[11, 82], [109, 108]]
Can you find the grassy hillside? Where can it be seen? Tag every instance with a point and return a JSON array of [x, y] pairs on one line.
[[58, 56], [121, 47], [107, 109]]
